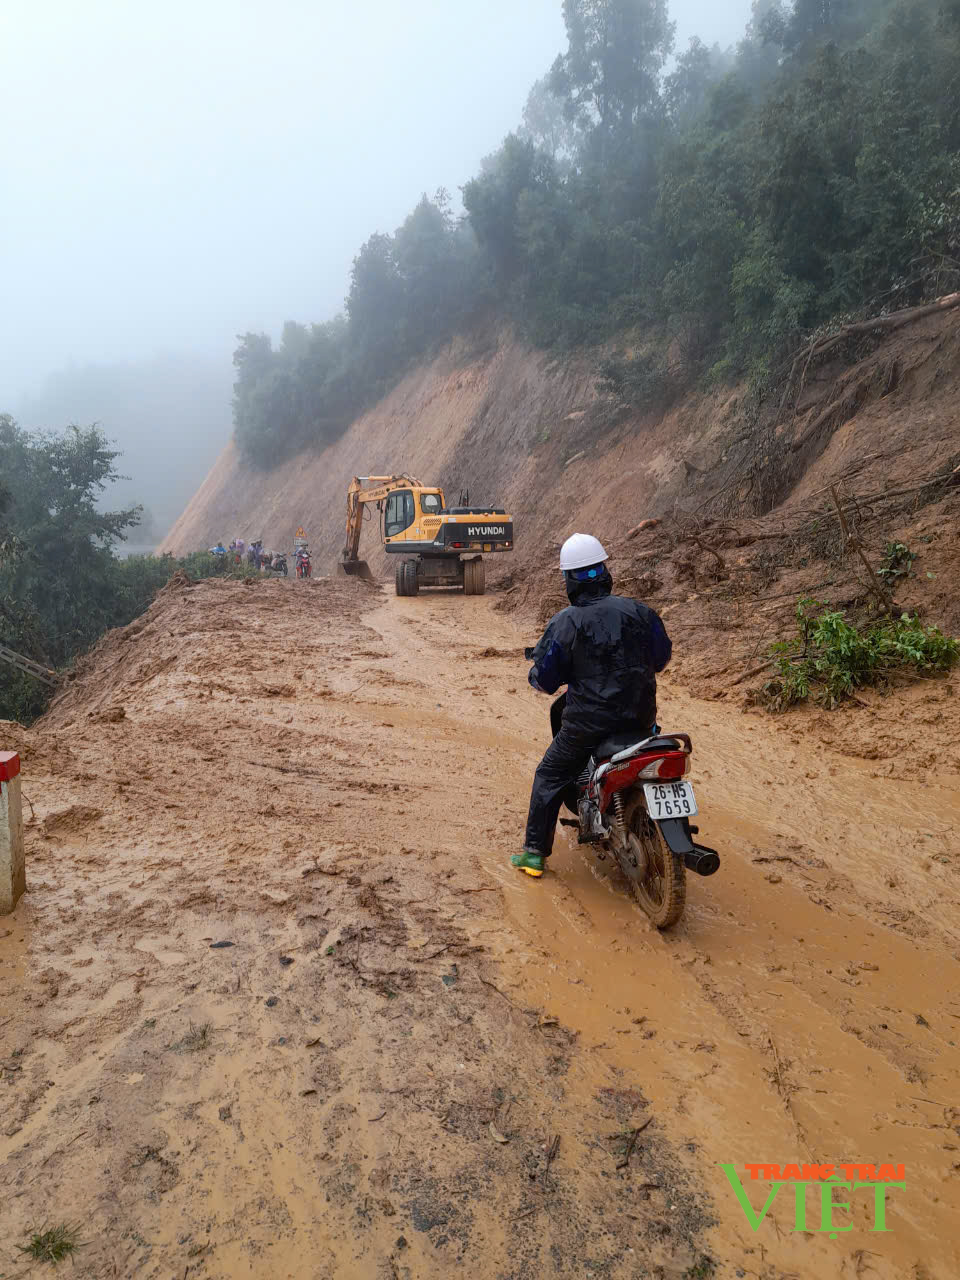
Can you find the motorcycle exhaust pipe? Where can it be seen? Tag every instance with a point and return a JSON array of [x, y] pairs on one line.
[[702, 861], [696, 857]]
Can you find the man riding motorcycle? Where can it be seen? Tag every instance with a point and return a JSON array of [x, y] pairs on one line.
[[607, 650]]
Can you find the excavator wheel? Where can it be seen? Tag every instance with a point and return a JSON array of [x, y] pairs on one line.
[[474, 578], [406, 578]]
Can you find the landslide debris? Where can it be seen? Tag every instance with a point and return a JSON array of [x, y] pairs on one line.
[[254, 992]]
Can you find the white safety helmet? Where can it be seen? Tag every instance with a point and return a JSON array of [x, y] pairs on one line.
[[581, 551]]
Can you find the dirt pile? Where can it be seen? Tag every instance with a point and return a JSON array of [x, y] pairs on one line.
[[273, 998], [253, 1022]]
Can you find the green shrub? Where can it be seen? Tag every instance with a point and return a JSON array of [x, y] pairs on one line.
[[52, 1244], [829, 657], [897, 562]]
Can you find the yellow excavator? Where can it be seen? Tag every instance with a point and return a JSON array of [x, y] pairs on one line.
[[438, 546]]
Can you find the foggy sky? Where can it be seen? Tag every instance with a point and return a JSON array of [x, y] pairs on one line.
[[176, 174]]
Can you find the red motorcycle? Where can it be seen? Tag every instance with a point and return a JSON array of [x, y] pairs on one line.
[[303, 564], [632, 801]]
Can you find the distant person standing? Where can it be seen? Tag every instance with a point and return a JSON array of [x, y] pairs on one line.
[[241, 547]]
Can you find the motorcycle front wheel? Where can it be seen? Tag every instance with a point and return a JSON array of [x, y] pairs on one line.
[[656, 874]]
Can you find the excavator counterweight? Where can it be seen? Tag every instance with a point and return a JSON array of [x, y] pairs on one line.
[[441, 546]]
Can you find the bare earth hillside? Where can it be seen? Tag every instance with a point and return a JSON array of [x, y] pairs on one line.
[[748, 519]]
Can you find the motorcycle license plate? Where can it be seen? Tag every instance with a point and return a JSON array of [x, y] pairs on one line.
[[669, 800]]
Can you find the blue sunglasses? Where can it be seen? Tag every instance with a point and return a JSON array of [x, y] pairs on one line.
[[587, 575]]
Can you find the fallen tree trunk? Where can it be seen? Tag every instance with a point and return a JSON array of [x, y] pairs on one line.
[[888, 323], [879, 324]]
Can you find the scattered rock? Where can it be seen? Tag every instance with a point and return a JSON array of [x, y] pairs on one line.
[[279, 691], [218, 946], [111, 715], [644, 524], [286, 960], [66, 822], [271, 1002]]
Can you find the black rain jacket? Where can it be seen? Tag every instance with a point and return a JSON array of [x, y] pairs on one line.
[[607, 650]]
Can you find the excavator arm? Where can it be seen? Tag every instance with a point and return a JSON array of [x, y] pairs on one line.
[[361, 490]]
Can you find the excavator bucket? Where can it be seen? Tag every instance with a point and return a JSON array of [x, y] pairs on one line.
[[355, 569]]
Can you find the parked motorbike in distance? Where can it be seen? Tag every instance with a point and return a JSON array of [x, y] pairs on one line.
[[279, 564], [632, 802]]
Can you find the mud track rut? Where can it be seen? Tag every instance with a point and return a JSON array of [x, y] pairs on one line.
[[335, 779]]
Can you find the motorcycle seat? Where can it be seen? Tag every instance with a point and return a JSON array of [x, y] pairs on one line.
[[613, 746], [620, 741]]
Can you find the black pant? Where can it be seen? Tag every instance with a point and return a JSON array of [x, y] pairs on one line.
[[565, 759]]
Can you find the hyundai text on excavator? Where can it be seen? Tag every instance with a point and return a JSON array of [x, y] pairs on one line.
[[439, 546]]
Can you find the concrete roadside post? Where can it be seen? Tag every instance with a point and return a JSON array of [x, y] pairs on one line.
[[13, 878]]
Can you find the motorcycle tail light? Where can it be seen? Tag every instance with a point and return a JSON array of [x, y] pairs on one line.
[[671, 766]]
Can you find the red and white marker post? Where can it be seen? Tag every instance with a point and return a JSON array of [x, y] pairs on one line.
[[13, 876]]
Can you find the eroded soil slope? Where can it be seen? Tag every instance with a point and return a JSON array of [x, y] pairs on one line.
[[330, 779], [754, 524]]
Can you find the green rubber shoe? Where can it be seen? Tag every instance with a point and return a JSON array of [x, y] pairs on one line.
[[531, 863]]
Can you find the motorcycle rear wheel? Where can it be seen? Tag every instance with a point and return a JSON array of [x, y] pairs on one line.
[[661, 886]]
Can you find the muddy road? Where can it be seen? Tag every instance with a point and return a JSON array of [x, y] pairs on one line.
[[410, 1060]]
